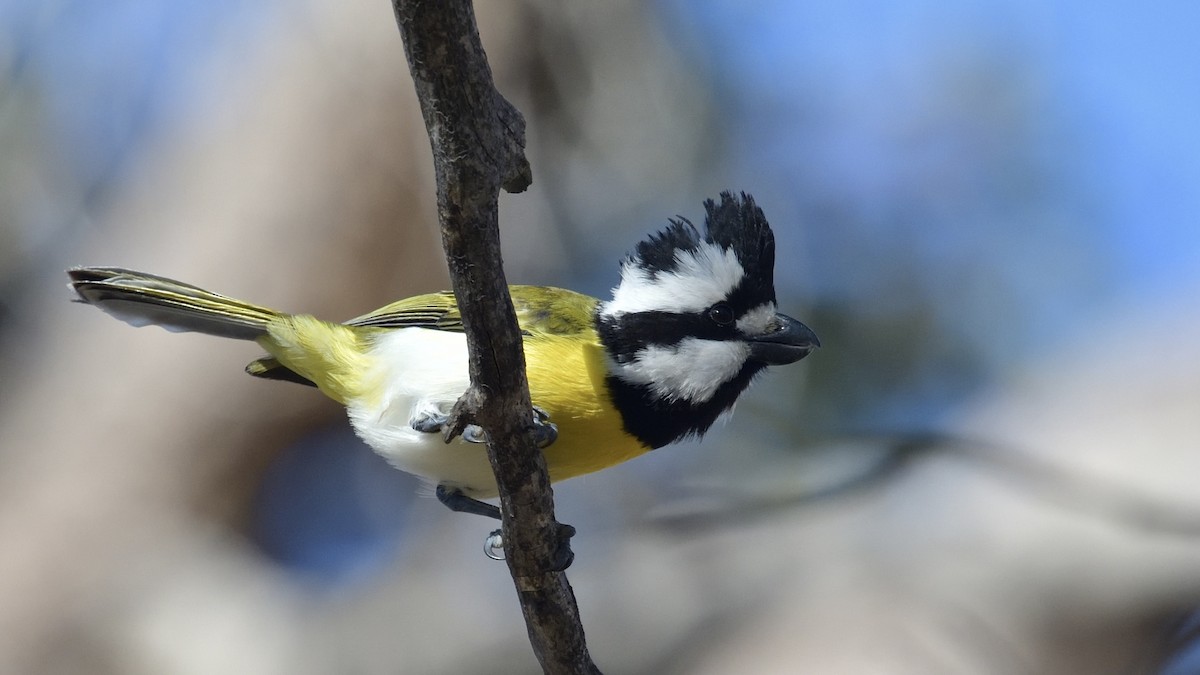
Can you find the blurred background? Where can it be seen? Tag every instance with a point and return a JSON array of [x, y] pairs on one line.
[[987, 210]]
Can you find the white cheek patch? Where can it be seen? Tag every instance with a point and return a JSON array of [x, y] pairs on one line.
[[700, 279], [692, 370], [755, 321]]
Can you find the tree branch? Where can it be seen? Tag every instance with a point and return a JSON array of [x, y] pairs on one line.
[[478, 141]]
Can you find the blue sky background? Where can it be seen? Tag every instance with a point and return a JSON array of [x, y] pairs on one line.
[[1115, 87]]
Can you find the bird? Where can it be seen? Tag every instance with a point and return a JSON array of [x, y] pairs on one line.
[[692, 321]]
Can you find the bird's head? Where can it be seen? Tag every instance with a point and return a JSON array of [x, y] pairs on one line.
[[694, 320]]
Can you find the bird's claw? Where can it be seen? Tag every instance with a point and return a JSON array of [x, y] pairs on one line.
[[563, 555], [493, 546], [473, 433]]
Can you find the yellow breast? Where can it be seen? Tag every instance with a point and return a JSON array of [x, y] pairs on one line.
[[567, 380]]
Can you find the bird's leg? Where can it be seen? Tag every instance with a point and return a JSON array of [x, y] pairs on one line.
[[545, 433], [455, 500]]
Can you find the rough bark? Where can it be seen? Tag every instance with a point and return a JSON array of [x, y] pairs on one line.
[[478, 142]]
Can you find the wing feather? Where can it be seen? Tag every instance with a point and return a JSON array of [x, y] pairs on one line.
[[541, 311]]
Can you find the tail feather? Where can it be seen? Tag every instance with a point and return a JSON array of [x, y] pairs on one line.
[[143, 299]]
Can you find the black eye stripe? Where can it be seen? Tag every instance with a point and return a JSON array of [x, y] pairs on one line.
[[627, 334]]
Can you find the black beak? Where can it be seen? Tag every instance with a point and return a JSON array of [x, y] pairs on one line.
[[786, 341]]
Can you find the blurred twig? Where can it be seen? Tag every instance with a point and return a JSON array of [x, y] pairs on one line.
[[1049, 482], [899, 454], [478, 143], [1070, 489]]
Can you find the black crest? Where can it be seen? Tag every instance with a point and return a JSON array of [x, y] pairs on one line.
[[735, 222], [740, 225], [657, 252]]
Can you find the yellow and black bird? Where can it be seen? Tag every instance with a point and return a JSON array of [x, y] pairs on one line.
[[691, 323]]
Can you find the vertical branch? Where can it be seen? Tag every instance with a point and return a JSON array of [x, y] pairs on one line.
[[478, 141]]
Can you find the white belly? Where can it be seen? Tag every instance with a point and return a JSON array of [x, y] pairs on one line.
[[419, 369]]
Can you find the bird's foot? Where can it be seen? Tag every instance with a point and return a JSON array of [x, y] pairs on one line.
[[493, 547], [545, 432], [433, 421], [429, 421]]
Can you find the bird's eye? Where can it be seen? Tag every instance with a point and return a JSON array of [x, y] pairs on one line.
[[721, 314]]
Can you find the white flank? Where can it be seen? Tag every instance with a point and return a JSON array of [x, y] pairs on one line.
[[416, 370], [692, 370], [701, 278], [755, 321]]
